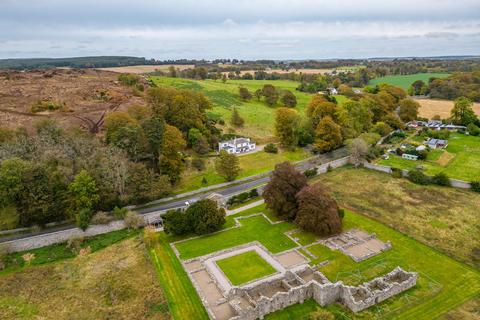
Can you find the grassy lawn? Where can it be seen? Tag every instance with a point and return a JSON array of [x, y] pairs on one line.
[[252, 228], [405, 81], [250, 164], [245, 267], [462, 160], [441, 217], [259, 118], [117, 282]]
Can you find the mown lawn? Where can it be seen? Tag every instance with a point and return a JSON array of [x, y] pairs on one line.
[[405, 81], [245, 267], [250, 165], [252, 228], [259, 118], [462, 161]]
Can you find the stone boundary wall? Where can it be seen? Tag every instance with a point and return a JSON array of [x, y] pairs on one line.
[[386, 169], [44, 240], [333, 164]]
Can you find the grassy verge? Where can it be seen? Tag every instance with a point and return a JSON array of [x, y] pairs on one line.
[[183, 300]]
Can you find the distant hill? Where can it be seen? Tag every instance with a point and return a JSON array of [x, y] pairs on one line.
[[78, 62]]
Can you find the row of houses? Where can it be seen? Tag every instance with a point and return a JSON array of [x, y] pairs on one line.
[[434, 125]]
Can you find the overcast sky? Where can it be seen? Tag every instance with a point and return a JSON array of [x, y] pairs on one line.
[[245, 29]]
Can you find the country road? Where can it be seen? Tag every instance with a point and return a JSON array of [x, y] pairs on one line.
[[226, 192]]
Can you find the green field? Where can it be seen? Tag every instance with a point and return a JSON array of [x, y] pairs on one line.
[[245, 267], [443, 282], [405, 81], [250, 165], [462, 160], [259, 118]]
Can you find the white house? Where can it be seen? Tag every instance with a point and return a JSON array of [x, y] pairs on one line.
[[237, 145], [409, 156]]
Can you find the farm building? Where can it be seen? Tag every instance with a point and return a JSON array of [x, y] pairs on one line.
[[237, 145], [436, 143]]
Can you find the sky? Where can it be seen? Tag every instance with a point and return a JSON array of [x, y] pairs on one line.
[[242, 29]]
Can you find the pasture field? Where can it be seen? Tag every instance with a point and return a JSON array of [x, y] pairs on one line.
[[443, 284], [405, 81], [259, 118], [245, 267], [442, 217], [433, 107], [250, 165], [460, 160], [117, 282]]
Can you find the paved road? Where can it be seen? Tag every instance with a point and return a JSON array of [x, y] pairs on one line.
[[228, 191]]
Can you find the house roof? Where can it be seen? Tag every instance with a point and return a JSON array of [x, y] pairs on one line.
[[237, 140], [437, 141]]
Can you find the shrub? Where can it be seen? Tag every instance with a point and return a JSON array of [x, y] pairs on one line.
[[198, 164], [42, 105], [309, 173], [83, 218], [133, 220], [253, 193], [270, 148], [473, 130], [120, 213], [439, 134], [475, 186], [397, 173], [418, 177], [101, 217], [74, 243], [128, 79], [204, 181], [441, 179], [341, 213], [150, 236]]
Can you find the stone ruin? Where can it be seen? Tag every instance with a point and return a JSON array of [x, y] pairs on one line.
[[290, 285], [357, 244], [305, 283]]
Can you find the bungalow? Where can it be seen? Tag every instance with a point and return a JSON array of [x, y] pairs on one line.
[[434, 125], [436, 143], [237, 145]]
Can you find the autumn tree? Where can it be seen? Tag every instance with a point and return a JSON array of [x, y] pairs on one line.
[[227, 165], [317, 211], [408, 110], [287, 122], [153, 130], [462, 112], [328, 135], [171, 160], [358, 150], [289, 99], [245, 95], [319, 107], [279, 194], [355, 118], [236, 119], [270, 93]]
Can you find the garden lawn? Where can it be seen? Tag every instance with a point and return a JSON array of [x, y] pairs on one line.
[[259, 118], [462, 161], [250, 165], [255, 228], [245, 267], [405, 81]]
